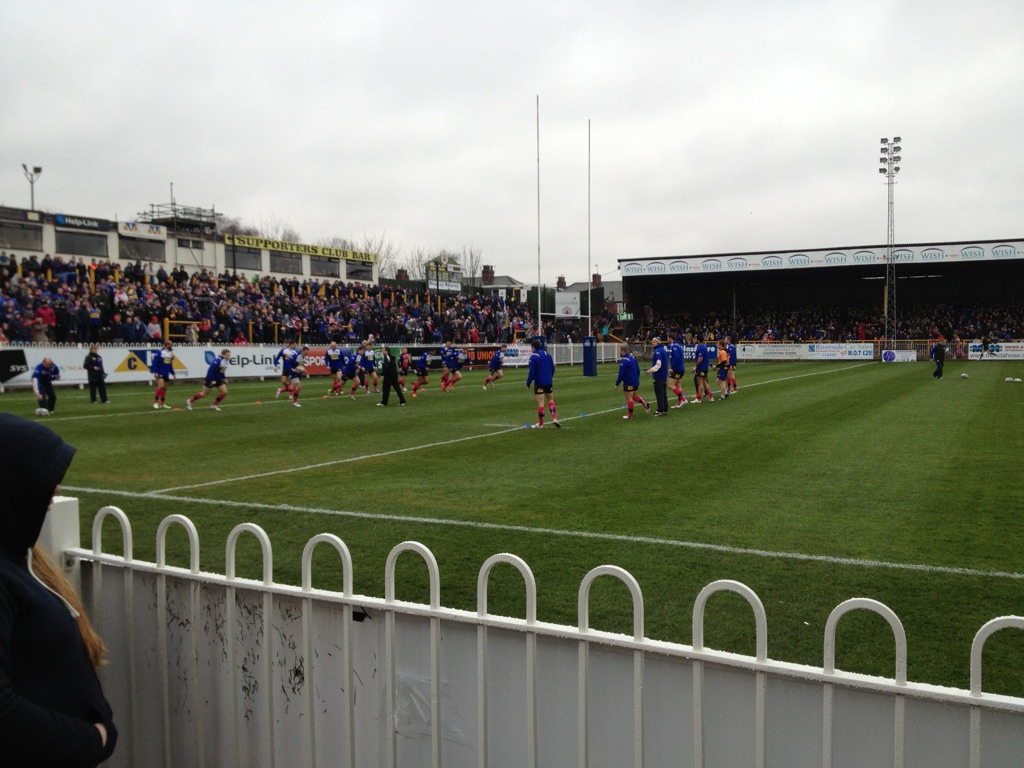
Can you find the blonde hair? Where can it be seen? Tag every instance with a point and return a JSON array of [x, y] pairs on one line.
[[54, 578]]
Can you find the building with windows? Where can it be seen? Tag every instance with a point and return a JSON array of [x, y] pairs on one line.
[[174, 236], [978, 271]]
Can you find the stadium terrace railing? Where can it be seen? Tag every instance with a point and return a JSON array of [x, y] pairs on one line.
[[213, 670]]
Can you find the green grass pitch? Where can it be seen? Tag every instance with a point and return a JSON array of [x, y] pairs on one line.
[[816, 483]]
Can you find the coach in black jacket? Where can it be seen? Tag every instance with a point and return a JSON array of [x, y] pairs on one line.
[[389, 370], [97, 376]]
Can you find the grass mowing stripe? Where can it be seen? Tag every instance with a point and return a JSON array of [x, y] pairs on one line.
[[148, 394], [804, 375], [350, 459], [799, 556]]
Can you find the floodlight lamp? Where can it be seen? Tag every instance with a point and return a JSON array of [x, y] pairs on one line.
[[885, 141], [897, 140], [897, 149], [881, 170], [896, 159], [37, 169], [896, 169], [884, 150]]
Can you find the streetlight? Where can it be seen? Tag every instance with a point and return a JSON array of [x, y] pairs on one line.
[[889, 167], [32, 176]]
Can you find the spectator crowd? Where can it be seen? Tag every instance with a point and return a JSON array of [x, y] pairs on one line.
[[817, 323], [56, 301]]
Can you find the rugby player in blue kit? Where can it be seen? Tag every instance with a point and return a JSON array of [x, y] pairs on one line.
[[216, 378], [541, 376]]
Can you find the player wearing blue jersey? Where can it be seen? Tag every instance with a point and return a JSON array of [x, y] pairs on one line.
[[722, 369], [731, 378], [629, 378], [216, 378], [334, 359], [283, 360], [43, 377], [163, 375], [369, 366], [450, 364], [455, 368], [701, 364], [404, 361], [445, 355], [494, 367], [297, 368], [350, 372], [659, 376], [422, 372], [676, 369], [360, 377], [541, 376]]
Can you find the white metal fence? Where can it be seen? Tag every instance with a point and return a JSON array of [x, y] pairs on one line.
[[216, 670]]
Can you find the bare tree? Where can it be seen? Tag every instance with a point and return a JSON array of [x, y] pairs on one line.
[[340, 243], [472, 261], [274, 227], [387, 254], [415, 263], [232, 225]]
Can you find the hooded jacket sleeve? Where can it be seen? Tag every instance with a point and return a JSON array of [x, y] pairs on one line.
[[50, 694], [36, 735]]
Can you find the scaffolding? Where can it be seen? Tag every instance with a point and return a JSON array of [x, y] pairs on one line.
[[182, 218]]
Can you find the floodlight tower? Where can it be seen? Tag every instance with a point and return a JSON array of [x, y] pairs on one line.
[[890, 160], [32, 176]]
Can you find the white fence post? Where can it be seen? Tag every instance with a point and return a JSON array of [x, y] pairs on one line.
[[61, 532], [184, 643]]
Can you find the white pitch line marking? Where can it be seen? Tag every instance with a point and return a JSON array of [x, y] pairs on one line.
[[655, 541], [804, 375], [504, 430], [349, 460]]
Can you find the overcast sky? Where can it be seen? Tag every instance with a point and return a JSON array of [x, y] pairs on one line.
[[715, 126]]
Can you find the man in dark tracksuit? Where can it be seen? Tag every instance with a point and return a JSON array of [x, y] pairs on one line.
[[659, 375], [97, 376], [389, 368], [939, 356]]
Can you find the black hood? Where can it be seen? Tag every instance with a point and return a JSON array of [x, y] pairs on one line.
[[33, 460]]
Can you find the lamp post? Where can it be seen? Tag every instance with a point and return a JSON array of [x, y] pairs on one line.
[[890, 151], [32, 176]]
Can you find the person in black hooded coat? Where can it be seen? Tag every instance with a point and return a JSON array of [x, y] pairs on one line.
[[52, 708]]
